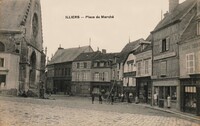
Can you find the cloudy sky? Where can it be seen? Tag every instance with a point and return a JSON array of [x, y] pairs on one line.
[[133, 19]]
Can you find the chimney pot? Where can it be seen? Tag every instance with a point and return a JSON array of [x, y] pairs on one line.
[[104, 51]]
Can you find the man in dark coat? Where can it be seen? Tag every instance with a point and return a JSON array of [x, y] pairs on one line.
[[93, 96]]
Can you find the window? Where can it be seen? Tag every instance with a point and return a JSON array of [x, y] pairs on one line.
[[96, 76], [198, 28], [139, 68], [95, 64], [119, 65], [77, 76], [101, 64], [85, 65], [78, 65], [146, 66], [113, 74], [2, 47], [173, 93], [163, 68], [1, 62], [84, 76], [63, 71], [190, 66], [2, 80], [190, 99], [106, 76], [81, 65], [131, 66], [164, 45]]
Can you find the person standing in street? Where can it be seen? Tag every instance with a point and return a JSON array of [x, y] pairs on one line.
[[100, 98], [93, 96], [112, 98], [155, 97]]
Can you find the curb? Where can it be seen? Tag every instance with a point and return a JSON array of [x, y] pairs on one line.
[[191, 117]]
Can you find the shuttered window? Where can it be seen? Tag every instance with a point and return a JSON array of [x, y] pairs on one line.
[[190, 63], [163, 68], [164, 44]]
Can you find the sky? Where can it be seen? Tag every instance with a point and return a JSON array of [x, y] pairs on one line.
[[132, 20]]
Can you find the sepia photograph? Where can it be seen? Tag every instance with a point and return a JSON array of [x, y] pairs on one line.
[[99, 63]]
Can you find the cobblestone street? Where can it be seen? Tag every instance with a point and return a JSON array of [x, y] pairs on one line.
[[76, 111]]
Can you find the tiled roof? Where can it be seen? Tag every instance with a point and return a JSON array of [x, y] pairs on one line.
[[68, 55], [12, 13], [177, 14], [87, 56]]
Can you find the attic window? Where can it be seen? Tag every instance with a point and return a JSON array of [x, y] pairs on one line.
[[198, 28]]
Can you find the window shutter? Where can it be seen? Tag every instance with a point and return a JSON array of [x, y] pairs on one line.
[[163, 68], [167, 43], [160, 45]]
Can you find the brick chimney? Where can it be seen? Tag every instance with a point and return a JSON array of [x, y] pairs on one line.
[[104, 51], [172, 5]]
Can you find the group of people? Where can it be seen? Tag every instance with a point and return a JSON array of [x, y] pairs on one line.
[[101, 99]]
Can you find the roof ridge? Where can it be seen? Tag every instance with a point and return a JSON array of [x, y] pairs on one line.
[[26, 14]]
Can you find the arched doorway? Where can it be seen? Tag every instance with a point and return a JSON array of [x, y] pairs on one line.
[[32, 72]]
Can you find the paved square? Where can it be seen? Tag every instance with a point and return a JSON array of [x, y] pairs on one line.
[[75, 111]]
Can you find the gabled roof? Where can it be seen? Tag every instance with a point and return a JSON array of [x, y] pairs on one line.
[[88, 56], [129, 48], [12, 13], [68, 55], [176, 15]]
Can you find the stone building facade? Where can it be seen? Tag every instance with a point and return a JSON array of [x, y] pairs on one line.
[[143, 73], [189, 50], [21, 44], [165, 56], [82, 73], [59, 69]]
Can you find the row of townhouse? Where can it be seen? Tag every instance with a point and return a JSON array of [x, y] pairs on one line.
[[165, 65]]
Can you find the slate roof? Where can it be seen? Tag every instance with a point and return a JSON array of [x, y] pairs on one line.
[[105, 56], [176, 15], [87, 56], [140, 50], [127, 49], [12, 13], [67, 55], [190, 32]]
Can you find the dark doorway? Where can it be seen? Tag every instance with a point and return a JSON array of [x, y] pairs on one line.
[[32, 72]]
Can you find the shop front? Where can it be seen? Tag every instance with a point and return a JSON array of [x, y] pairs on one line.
[[166, 94], [190, 95], [101, 87], [143, 87]]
